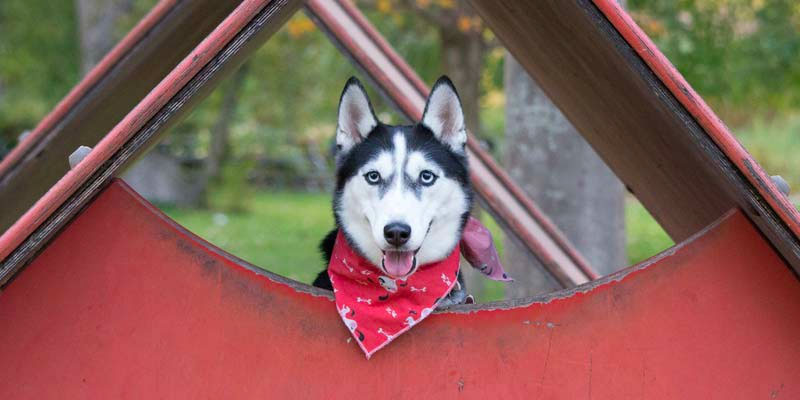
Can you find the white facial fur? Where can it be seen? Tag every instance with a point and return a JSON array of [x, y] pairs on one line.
[[365, 209]]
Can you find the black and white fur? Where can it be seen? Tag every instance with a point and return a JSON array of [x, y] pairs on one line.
[[415, 175]]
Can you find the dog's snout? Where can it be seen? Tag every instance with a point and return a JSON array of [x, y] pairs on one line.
[[397, 233]]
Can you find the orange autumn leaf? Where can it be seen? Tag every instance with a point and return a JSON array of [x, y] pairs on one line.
[[384, 6], [464, 23], [446, 3], [299, 26]]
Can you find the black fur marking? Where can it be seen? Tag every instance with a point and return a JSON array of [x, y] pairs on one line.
[[326, 248], [418, 138], [385, 185], [323, 281], [412, 184]]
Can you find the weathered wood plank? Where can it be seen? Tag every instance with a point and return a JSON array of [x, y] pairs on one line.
[[645, 122], [241, 33], [113, 87], [160, 313]]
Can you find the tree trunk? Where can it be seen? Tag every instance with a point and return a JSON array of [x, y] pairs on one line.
[[462, 60], [97, 20], [550, 160], [219, 147], [158, 176]]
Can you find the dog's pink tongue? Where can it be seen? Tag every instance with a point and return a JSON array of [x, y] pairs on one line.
[[398, 263]]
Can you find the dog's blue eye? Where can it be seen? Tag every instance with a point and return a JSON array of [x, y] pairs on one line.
[[373, 177], [427, 178]]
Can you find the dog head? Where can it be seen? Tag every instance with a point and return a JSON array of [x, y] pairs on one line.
[[402, 191]]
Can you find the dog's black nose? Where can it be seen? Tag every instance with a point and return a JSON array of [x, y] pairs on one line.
[[397, 233]]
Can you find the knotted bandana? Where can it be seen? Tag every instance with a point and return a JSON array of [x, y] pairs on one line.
[[377, 308], [478, 248]]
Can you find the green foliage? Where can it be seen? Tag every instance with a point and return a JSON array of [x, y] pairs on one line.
[[645, 236], [775, 144], [39, 61], [232, 192], [281, 230], [742, 55]]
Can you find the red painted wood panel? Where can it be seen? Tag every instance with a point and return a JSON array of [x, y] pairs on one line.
[[92, 78], [124, 303], [129, 125], [102, 98]]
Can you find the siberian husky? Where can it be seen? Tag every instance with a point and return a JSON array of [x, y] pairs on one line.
[[402, 192]]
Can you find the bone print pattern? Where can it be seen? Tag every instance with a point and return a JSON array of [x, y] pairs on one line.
[[384, 333], [377, 308], [446, 280]]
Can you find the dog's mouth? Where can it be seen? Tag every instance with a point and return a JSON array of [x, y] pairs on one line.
[[399, 264]]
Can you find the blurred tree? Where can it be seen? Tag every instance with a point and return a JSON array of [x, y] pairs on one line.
[[97, 24], [219, 146], [159, 176], [38, 62], [742, 55], [463, 42], [463, 49]]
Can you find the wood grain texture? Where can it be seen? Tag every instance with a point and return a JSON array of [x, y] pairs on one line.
[[160, 313], [218, 55], [103, 97], [647, 125]]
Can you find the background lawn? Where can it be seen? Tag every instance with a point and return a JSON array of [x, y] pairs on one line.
[[281, 230]]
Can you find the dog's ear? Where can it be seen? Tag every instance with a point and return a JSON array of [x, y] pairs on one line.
[[356, 118], [443, 115]]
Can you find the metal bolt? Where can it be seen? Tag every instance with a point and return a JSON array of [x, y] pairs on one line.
[[78, 155], [781, 183]]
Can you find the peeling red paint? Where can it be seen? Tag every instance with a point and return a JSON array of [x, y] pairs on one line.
[[160, 313]]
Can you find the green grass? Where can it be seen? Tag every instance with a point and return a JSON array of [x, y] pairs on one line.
[[775, 145], [645, 237], [279, 232]]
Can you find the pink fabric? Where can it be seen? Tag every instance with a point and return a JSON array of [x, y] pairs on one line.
[[377, 308], [478, 248]]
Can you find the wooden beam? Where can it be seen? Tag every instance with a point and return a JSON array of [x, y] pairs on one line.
[[641, 117], [221, 52], [112, 88]]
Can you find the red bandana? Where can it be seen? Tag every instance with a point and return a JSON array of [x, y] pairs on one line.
[[377, 308]]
